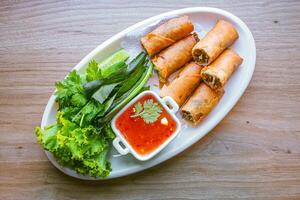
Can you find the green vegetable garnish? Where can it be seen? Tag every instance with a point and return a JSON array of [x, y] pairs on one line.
[[92, 71], [114, 76], [115, 68], [106, 67], [70, 91], [77, 139], [138, 60], [92, 86], [103, 92], [149, 111], [86, 115], [118, 56], [107, 106], [126, 97], [75, 147], [131, 80]]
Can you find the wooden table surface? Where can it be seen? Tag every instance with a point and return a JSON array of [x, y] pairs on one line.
[[254, 153]]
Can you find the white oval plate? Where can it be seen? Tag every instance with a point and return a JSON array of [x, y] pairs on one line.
[[206, 17]]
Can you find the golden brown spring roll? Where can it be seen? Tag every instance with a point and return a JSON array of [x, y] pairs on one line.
[[202, 101], [221, 36], [218, 72], [184, 84], [167, 34], [174, 57]]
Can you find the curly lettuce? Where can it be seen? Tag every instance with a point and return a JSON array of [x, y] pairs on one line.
[[81, 148], [73, 139]]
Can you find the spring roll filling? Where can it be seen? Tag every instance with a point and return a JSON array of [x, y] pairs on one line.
[[187, 115], [212, 80], [201, 56]]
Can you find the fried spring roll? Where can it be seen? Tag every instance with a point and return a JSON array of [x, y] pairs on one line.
[[184, 84], [202, 101], [217, 73], [174, 57], [167, 34], [221, 36]]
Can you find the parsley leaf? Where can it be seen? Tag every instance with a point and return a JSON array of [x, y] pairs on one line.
[[70, 91], [93, 72], [149, 111]]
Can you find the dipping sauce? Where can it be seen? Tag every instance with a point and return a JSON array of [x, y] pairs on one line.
[[145, 137]]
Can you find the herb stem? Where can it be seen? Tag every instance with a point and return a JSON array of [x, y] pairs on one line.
[[138, 114]]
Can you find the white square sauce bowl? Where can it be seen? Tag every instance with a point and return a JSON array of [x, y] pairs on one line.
[[123, 146]]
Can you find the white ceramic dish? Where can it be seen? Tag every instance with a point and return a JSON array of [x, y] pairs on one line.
[[126, 147], [204, 17]]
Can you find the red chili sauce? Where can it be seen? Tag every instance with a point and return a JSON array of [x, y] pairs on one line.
[[143, 137]]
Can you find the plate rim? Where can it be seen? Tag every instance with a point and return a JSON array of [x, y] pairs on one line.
[[218, 118]]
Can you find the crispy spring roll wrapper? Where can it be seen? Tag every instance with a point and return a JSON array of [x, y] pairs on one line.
[[167, 34], [174, 57], [202, 101], [221, 36], [184, 84], [217, 73]]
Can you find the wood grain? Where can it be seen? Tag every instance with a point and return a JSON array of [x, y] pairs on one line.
[[254, 153]]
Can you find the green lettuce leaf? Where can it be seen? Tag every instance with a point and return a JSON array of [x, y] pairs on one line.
[[83, 149], [48, 137], [95, 165]]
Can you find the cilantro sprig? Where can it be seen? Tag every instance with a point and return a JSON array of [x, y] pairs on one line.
[[149, 111]]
